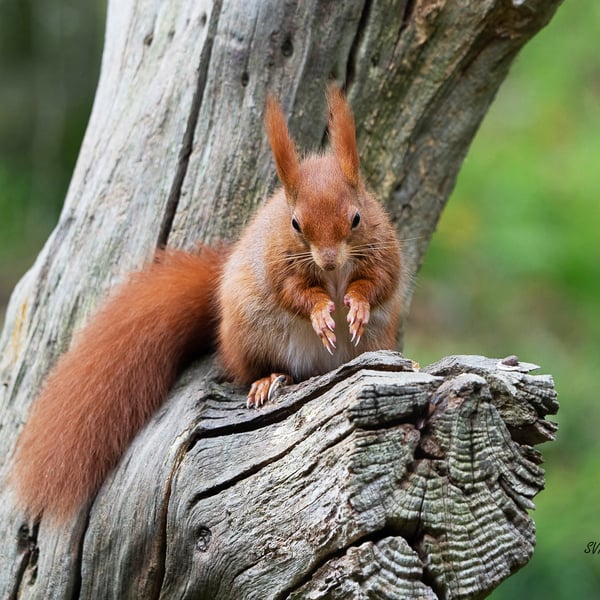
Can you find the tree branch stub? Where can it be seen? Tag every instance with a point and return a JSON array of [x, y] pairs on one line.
[[372, 477]]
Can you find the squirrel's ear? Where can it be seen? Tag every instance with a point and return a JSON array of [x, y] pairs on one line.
[[343, 134], [283, 147]]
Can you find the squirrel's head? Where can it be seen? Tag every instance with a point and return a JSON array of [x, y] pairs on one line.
[[325, 193]]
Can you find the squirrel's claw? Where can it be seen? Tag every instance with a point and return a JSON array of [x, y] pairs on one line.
[[328, 342], [265, 389], [276, 385], [323, 324], [358, 316]]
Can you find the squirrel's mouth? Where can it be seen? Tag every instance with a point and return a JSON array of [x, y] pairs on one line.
[[329, 259]]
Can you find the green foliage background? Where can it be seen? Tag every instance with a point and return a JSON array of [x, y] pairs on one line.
[[514, 267], [49, 64]]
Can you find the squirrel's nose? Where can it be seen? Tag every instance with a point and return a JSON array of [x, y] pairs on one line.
[[328, 259]]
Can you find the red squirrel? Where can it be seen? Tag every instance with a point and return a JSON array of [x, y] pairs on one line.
[[320, 252]]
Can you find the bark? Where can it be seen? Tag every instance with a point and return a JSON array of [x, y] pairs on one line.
[[320, 497], [374, 481]]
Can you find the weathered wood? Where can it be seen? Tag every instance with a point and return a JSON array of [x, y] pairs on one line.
[[373, 479], [174, 153]]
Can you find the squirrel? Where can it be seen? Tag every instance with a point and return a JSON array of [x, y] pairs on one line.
[[320, 251]]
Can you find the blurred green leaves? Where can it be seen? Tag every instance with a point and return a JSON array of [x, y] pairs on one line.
[[515, 269], [49, 63]]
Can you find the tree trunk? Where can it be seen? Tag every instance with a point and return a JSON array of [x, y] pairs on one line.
[[349, 485]]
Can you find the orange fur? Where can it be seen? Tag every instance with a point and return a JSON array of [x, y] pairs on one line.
[[86, 414], [281, 286], [315, 272], [284, 150], [343, 135]]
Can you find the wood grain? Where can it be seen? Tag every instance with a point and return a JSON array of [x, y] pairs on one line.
[[373, 479]]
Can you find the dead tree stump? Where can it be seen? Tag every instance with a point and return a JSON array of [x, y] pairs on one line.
[[374, 481]]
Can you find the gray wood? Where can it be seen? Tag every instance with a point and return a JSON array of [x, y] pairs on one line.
[[174, 153], [374, 480]]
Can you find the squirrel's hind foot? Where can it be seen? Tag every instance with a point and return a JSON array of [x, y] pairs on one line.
[[265, 389]]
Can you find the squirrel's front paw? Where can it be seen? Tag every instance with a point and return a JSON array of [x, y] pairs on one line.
[[323, 323], [358, 315]]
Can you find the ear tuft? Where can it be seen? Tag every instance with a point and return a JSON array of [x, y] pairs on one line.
[[342, 133], [283, 147]]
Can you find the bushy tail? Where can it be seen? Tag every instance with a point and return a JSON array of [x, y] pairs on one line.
[[115, 375]]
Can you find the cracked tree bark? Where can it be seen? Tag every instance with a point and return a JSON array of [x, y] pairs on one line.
[[348, 486]]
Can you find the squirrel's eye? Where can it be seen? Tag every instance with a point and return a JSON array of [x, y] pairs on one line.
[[355, 221], [296, 225]]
